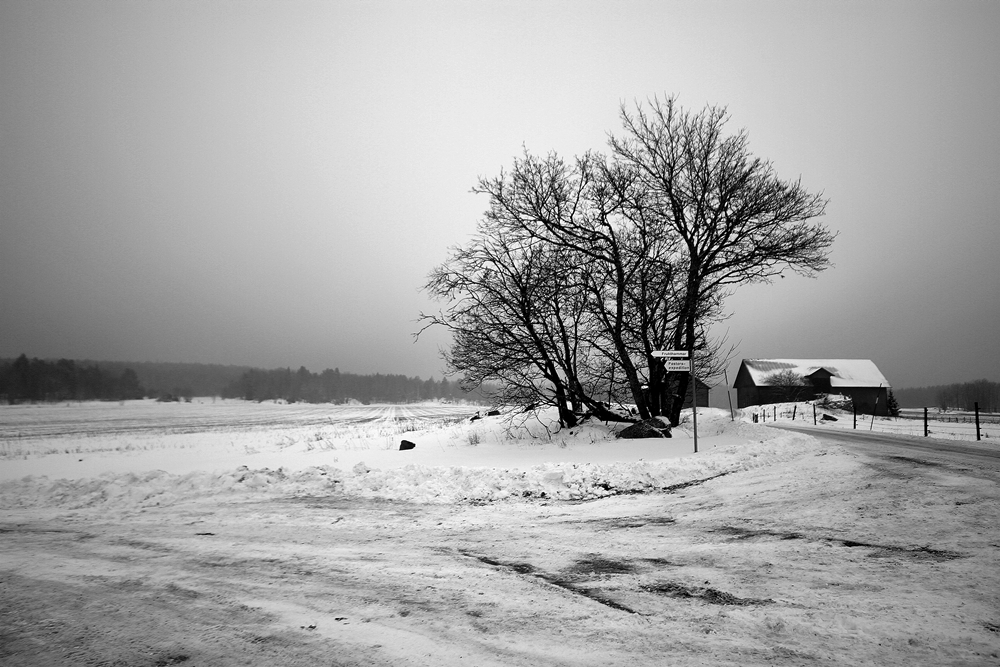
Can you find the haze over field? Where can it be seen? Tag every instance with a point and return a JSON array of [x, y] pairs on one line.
[[268, 183]]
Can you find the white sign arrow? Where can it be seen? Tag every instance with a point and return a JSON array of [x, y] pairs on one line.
[[671, 354]]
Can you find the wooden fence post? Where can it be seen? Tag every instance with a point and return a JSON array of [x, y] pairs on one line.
[[926, 432], [978, 435], [876, 406]]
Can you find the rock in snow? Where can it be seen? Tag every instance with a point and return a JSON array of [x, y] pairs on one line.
[[647, 428]]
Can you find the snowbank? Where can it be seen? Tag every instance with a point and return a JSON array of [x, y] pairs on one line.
[[508, 460]]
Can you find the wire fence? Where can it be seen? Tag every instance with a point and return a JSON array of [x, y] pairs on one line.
[[948, 426]]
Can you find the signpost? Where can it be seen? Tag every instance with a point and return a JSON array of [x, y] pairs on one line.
[[680, 361], [678, 365]]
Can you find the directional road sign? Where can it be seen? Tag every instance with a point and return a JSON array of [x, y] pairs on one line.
[[671, 354], [678, 365]]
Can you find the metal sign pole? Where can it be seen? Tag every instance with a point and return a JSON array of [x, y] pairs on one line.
[[673, 363], [732, 414], [694, 405]]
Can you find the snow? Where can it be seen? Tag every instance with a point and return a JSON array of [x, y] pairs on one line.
[[490, 459], [500, 541], [845, 372]]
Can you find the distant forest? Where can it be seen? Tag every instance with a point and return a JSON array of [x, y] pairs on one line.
[[962, 396], [332, 386], [64, 380], [38, 380]]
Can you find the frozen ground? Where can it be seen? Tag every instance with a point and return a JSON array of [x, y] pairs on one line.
[[233, 533]]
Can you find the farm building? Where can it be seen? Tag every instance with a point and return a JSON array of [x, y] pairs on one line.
[[701, 389], [762, 381], [702, 392]]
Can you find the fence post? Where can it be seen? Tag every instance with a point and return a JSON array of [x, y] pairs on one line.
[[814, 414], [855, 410], [732, 413], [978, 435], [876, 406], [926, 432], [793, 411]]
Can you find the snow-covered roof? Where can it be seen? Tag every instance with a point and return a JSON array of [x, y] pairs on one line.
[[843, 372]]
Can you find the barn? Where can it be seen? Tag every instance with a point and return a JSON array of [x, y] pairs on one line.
[[702, 390], [763, 381]]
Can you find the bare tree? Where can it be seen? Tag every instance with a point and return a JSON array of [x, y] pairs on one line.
[[791, 385], [581, 271], [625, 274], [514, 315], [734, 220]]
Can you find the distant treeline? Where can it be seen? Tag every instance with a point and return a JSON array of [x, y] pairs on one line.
[[332, 386], [177, 379], [961, 396], [37, 380], [64, 380]]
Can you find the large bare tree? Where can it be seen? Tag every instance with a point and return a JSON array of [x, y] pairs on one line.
[[581, 270], [736, 222], [514, 312]]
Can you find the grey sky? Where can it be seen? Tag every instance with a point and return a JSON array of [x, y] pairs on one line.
[[268, 183]]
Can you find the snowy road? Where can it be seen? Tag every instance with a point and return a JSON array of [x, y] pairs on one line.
[[956, 452]]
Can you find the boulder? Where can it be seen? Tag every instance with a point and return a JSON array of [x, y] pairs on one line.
[[647, 428], [406, 444], [828, 418]]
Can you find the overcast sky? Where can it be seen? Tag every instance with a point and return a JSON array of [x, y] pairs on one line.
[[268, 183]]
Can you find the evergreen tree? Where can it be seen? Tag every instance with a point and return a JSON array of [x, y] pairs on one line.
[[892, 405]]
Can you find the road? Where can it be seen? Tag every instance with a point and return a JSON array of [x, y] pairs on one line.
[[900, 447]]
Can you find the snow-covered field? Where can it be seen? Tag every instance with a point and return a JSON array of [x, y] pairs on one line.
[[144, 453], [226, 533]]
